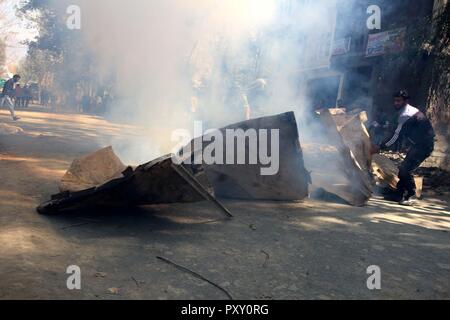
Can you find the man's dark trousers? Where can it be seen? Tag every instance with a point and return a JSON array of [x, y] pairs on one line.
[[416, 155]]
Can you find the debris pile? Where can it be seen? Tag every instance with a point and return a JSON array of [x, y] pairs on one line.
[[386, 175], [101, 179], [340, 161], [340, 166], [156, 182]]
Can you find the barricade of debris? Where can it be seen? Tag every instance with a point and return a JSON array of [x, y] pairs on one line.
[[434, 180], [101, 179], [340, 159], [340, 164]]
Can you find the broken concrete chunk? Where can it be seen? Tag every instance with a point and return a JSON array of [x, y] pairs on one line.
[[92, 170]]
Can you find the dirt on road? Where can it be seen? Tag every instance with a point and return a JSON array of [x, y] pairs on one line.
[[304, 250]]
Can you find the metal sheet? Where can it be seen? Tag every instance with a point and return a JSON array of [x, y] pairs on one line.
[[245, 181]]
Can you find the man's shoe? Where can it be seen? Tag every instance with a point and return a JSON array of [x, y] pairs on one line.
[[409, 201], [16, 118]]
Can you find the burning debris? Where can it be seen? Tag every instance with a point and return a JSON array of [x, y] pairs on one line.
[[102, 180], [156, 182], [386, 176], [340, 164]]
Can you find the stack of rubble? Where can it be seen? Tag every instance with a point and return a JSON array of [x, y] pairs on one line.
[[386, 170], [100, 179], [340, 162], [339, 165]]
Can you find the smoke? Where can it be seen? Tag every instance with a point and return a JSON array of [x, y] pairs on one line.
[[176, 61], [163, 54]]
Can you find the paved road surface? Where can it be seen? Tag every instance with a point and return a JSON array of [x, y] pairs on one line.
[[308, 250]]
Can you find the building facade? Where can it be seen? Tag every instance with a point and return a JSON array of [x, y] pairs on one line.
[[355, 61]]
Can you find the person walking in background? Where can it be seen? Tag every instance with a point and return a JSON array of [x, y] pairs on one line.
[[45, 97], [27, 96], [18, 96], [8, 94]]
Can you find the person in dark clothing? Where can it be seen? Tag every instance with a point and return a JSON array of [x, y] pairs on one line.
[[417, 132], [18, 96], [45, 97], [26, 96], [8, 94], [378, 127]]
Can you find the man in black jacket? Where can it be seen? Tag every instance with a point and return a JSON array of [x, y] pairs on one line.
[[8, 94], [416, 130]]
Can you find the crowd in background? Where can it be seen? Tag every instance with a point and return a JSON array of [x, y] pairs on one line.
[[23, 96], [79, 100]]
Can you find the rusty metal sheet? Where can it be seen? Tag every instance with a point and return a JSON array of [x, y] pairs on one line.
[[89, 184], [155, 182], [245, 181]]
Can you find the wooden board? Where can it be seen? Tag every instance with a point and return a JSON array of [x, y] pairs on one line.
[[353, 179], [386, 172]]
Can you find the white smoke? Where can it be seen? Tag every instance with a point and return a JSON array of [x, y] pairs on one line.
[[166, 53], [161, 50]]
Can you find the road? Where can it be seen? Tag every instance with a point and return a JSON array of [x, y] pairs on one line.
[[305, 250]]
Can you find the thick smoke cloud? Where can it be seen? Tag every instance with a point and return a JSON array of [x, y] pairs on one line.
[[160, 51], [169, 57]]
